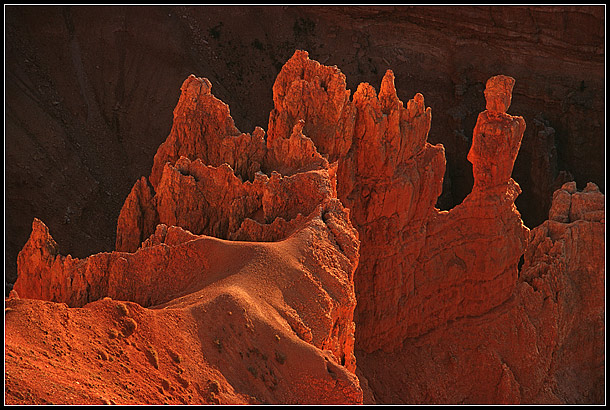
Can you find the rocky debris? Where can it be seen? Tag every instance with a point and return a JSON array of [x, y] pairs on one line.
[[208, 350]]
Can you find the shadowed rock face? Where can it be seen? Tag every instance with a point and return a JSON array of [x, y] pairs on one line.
[[90, 93]]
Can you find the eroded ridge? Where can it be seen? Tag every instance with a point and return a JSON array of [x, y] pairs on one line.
[[209, 222], [419, 267]]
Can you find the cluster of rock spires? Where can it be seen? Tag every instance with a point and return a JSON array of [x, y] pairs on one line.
[[325, 232]]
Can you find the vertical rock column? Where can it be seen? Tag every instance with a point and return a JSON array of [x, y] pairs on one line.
[[428, 267]]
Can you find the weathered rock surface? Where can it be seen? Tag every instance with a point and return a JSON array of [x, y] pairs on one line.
[[543, 345], [307, 279], [207, 177], [390, 181], [298, 291], [203, 129], [337, 204], [426, 275], [306, 90], [421, 267], [220, 346], [565, 262], [90, 93], [295, 273]]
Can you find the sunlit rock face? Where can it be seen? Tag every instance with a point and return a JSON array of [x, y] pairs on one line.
[[90, 93], [209, 235], [419, 267]]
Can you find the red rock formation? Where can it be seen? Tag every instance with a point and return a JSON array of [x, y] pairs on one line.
[[419, 267], [294, 153], [306, 90], [137, 217], [565, 262], [422, 276], [203, 128], [394, 179], [543, 345], [213, 201], [206, 176], [452, 279], [298, 288], [90, 91], [220, 346], [444, 315]]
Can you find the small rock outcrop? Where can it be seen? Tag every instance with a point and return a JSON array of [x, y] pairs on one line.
[[307, 90], [203, 128]]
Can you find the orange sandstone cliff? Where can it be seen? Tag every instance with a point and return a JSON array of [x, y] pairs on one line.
[[419, 267], [310, 265]]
